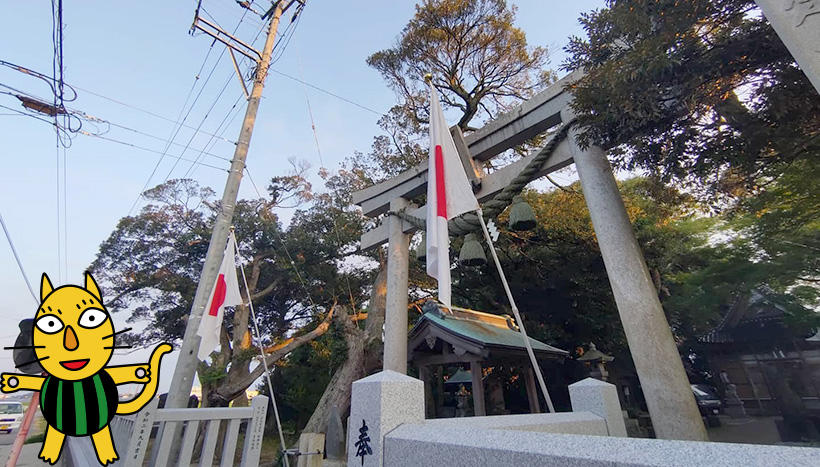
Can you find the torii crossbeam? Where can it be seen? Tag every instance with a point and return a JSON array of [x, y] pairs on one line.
[[666, 388]]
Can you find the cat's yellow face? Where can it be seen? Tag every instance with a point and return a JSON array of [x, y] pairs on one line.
[[73, 333]]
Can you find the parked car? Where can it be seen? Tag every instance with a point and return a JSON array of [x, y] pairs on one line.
[[11, 415], [709, 403]]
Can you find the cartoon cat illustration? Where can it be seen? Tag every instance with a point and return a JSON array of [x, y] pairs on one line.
[[73, 339]]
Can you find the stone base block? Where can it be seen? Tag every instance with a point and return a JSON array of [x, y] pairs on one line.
[[379, 403]]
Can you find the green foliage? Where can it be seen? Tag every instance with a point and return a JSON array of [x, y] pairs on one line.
[[556, 271], [300, 380], [703, 95], [701, 92], [479, 60]]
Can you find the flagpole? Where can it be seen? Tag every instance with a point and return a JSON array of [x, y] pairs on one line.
[[518, 321], [283, 448]]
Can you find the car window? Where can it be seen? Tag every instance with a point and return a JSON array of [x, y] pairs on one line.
[[11, 408]]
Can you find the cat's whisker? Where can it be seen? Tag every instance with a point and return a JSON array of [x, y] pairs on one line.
[[117, 332], [15, 347], [33, 361], [118, 347]]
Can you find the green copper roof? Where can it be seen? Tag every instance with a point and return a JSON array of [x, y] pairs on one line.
[[485, 333]]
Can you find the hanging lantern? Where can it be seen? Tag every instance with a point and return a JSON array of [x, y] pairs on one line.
[[472, 253], [421, 248], [521, 215]]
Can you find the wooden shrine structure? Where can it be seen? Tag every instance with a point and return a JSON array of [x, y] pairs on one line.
[[468, 338]]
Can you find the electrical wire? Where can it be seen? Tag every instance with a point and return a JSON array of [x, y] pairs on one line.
[[195, 133], [204, 151], [142, 148], [330, 93], [226, 122], [176, 132], [124, 143], [153, 114]]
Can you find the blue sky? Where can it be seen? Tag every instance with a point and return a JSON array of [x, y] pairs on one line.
[[140, 53]]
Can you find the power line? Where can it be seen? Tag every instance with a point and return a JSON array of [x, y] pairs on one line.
[[148, 112], [330, 93], [124, 143], [175, 133], [139, 132], [194, 135], [201, 89], [232, 114], [135, 146]]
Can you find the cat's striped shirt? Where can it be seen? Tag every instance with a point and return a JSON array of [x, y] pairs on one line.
[[79, 408]]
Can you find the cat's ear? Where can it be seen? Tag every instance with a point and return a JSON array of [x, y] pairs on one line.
[[91, 287], [45, 287]]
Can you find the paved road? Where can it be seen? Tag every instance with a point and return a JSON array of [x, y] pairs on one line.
[[6, 439]]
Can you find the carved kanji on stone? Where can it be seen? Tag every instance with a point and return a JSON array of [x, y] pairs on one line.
[[363, 444]]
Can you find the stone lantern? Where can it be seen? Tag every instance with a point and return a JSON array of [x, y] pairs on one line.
[[595, 360]]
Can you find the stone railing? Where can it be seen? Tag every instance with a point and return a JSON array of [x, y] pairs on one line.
[[132, 435]]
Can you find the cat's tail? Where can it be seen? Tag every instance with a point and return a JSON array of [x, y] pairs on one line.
[[150, 388]]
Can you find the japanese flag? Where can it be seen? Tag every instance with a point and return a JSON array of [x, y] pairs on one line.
[[449, 195], [225, 293]]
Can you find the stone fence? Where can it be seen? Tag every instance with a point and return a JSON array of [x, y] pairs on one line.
[[387, 427]]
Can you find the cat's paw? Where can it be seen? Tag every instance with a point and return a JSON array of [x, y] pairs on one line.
[[9, 382]]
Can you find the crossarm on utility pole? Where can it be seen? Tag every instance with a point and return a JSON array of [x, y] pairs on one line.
[[187, 362]]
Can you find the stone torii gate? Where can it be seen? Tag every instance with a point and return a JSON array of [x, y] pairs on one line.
[[666, 388]]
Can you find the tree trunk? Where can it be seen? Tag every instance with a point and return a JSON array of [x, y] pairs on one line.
[[364, 351]]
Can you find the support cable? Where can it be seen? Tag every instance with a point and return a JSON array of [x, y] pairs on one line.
[[261, 350], [19, 263], [322, 168]]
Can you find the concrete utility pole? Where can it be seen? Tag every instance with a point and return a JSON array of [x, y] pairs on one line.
[[187, 363]]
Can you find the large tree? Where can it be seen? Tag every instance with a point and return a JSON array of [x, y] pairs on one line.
[[479, 60], [150, 265]]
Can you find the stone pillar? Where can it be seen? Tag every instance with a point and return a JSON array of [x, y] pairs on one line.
[[479, 408], [600, 398], [532, 392], [395, 319], [663, 380], [378, 404], [797, 23]]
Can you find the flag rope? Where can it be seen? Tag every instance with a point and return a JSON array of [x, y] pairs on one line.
[[518, 320], [282, 448]]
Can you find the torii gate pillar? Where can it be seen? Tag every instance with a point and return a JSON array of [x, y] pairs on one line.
[[395, 313], [665, 385]]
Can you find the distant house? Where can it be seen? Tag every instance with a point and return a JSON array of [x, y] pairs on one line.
[[770, 364]]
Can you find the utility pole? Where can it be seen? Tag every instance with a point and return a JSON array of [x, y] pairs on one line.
[[188, 362]]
